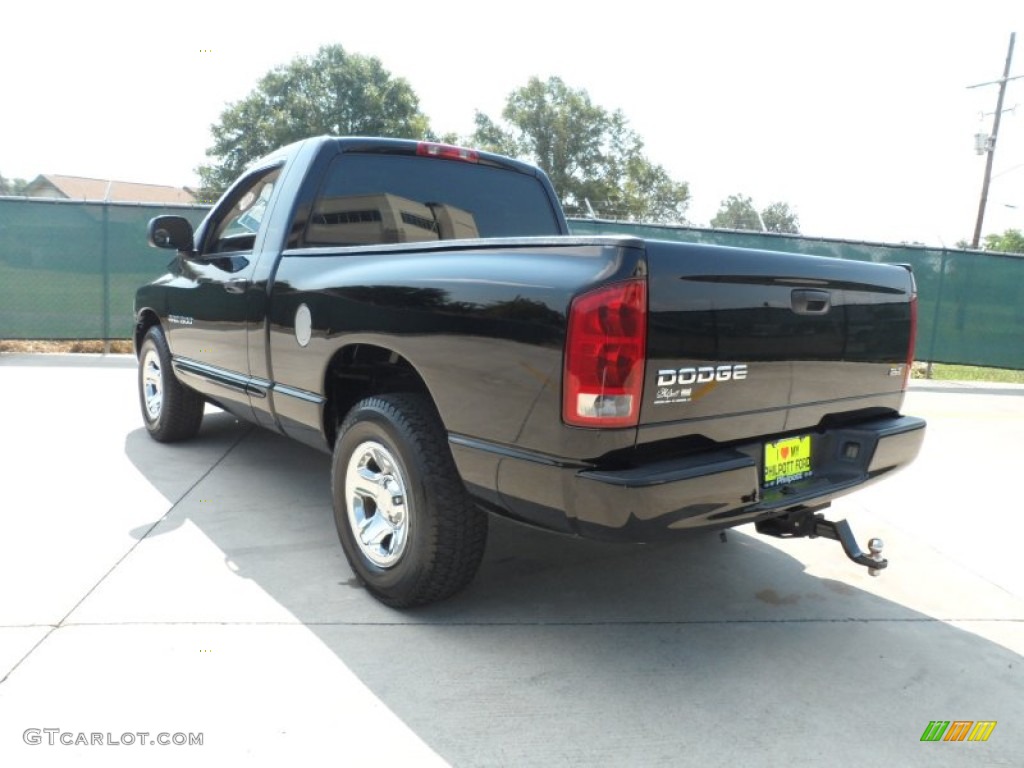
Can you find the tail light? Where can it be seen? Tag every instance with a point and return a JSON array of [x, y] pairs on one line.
[[447, 152], [604, 356]]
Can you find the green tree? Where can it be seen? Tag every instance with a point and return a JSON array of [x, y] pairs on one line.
[[596, 162], [779, 217], [12, 186], [737, 212], [1010, 241], [332, 92]]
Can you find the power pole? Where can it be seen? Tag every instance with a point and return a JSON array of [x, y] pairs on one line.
[[991, 150]]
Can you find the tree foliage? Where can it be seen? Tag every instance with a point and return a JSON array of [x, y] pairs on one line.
[[12, 186], [591, 155], [779, 217], [332, 92], [738, 212], [1010, 241]]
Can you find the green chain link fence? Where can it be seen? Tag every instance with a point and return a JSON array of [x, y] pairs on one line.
[[69, 270]]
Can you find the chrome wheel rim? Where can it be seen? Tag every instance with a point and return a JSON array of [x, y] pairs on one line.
[[152, 384], [378, 514]]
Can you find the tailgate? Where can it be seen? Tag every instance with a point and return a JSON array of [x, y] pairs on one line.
[[743, 343]]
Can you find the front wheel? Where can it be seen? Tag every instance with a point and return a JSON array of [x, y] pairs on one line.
[[170, 410], [407, 526]]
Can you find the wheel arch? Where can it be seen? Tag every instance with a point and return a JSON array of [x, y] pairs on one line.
[[144, 320], [360, 370]]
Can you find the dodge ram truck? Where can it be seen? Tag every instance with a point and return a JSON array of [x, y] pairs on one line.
[[420, 312]]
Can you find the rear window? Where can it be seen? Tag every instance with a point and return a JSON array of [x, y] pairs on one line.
[[377, 198]]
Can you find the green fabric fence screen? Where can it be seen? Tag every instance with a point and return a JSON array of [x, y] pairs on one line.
[[69, 270]]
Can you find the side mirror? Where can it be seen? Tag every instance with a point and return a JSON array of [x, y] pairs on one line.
[[170, 232]]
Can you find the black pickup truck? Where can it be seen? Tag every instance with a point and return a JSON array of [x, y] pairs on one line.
[[420, 311]]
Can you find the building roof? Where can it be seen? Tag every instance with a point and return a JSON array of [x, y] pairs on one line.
[[81, 188]]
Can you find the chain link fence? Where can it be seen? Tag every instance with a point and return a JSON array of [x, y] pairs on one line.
[[69, 270]]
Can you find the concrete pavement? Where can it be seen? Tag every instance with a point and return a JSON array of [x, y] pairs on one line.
[[200, 588]]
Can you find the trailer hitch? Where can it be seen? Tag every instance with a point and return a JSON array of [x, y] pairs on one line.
[[806, 523]]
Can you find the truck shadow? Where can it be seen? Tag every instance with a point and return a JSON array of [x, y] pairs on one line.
[[572, 651]]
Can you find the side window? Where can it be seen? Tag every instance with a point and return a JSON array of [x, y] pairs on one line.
[[236, 229]]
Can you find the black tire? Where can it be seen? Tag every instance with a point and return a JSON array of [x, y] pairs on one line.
[[425, 540], [170, 410]]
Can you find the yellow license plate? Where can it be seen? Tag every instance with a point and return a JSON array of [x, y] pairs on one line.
[[786, 461]]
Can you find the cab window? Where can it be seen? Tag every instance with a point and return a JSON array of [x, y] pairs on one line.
[[371, 198]]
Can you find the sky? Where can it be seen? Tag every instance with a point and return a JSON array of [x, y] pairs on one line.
[[857, 115]]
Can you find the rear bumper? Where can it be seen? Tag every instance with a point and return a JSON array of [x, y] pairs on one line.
[[716, 489]]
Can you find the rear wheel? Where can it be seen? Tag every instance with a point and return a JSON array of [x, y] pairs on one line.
[[170, 410], [407, 526]]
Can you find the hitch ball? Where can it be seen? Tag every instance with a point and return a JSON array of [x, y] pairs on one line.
[[875, 548]]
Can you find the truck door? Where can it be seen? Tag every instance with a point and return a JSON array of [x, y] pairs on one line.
[[210, 302]]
